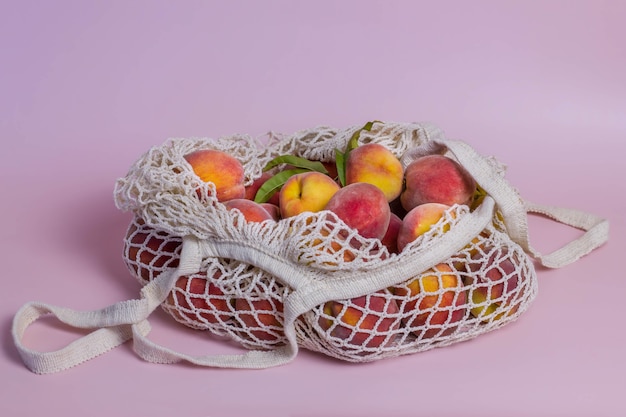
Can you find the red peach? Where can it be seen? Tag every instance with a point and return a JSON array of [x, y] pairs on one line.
[[197, 299], [261, 318], [272, 209], [252, 212], [148, 251], [362, 321], [436, 179], [390, 240], [363, 207], [253, 188]]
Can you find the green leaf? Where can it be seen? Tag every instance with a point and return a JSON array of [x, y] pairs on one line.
[[269, 187], [340, 163], [354, 139], [297, 162]]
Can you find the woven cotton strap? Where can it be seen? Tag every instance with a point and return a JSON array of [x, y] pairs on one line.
[[515, 211]]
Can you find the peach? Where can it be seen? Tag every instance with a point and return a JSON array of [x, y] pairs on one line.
[[362, 321], [435, 302], [363, 207], [272, 209], [419, 221], [307, 191], [493, 281], [197, 299], [261, 318], [253, 188], [390, 239], [221, 169], [252, 212], [375, 164], [148, 251], [436, 179]]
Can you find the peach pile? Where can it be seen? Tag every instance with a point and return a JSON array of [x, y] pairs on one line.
[[367, 188]]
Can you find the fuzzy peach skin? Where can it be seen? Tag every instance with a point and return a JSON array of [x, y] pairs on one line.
[[221, 169], [390, 239], [348, 320], [253, 188], [363, 207], [435, 302], [375, 164], [496, 286], [272, 209], [419, 221], [308, 191], [252, 212], [436, 179]]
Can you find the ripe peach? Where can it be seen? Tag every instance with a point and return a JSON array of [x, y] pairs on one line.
[[261, 318], [493, 281], [436, 179], [197, 299], [363, 207], [390, 240], [435, 302], [272, 209], [375, 164], [221, 169], [419, 221], [252, 212], [148, 251], [308, 191], [362, 321], [252, 189]]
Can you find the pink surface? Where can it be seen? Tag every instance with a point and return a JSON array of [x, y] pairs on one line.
[[86, 87]]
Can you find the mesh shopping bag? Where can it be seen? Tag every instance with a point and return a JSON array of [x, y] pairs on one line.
[[311, 281]]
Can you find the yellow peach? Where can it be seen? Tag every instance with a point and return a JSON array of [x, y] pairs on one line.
[[308, 191], [435, 302], [375, 164], [419, 221], [494, 280]]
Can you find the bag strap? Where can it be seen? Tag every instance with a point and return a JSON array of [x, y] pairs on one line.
[[515, 210], [596, 234]]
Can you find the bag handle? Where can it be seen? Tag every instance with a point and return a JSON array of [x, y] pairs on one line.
[[114, 324], [596, 234], [515, 210]]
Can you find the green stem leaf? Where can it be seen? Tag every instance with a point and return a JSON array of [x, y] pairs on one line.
[[342, 157], [297, 162], [272, 185]]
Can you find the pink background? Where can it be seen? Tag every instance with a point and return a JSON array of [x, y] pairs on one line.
[[87, 87]]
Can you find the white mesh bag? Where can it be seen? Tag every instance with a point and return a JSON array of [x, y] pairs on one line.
[[310, 281]]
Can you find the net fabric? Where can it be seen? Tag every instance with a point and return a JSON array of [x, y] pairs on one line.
[[488, 280]]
